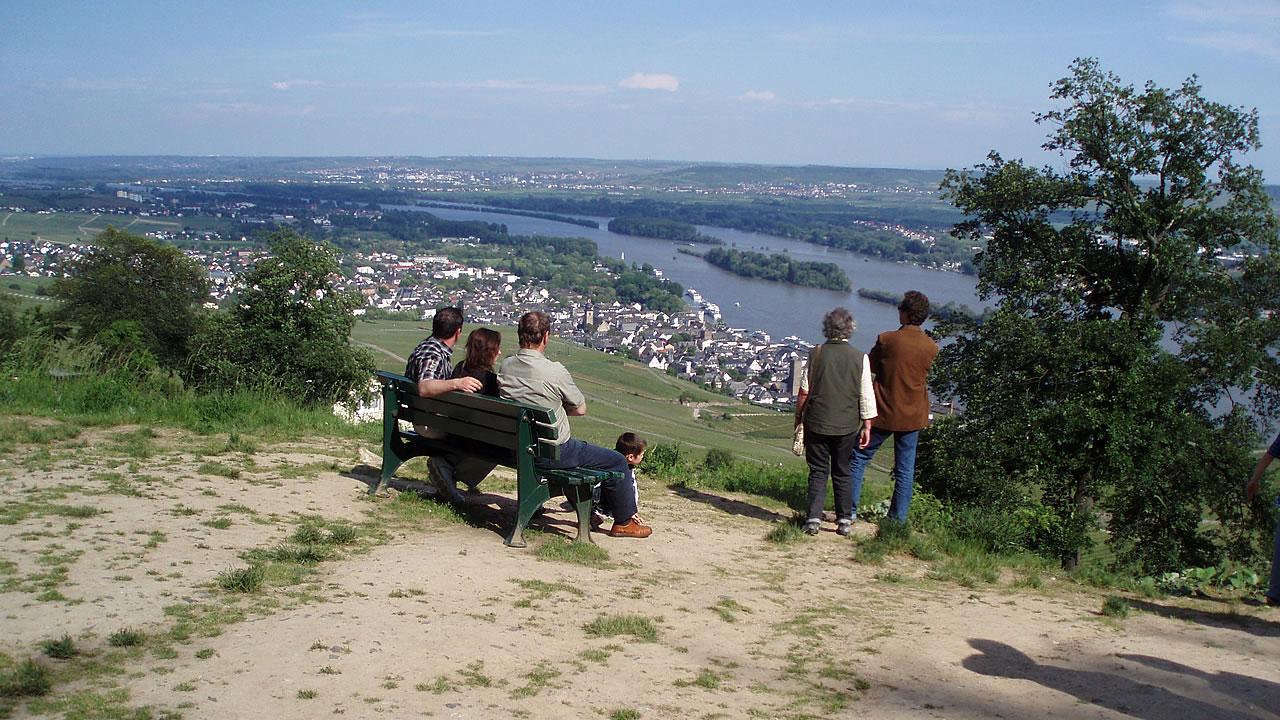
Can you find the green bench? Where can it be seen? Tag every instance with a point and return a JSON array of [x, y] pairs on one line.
[[500, 431]]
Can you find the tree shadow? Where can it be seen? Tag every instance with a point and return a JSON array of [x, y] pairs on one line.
[[1136, 698], [1219, 619], [728, 505]]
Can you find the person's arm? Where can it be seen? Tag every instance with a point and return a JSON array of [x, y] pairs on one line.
[[864, 435], [431, 387], [867, 393], [802, 397], [578, 411], [1255, 480]]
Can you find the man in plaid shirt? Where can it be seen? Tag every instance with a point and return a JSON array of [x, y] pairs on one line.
[[430, 365]]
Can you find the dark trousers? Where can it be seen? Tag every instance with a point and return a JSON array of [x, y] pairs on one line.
[[620, 495], [829, 455]]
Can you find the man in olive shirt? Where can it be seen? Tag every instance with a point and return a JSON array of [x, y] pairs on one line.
[[529, 377], [900, 361]]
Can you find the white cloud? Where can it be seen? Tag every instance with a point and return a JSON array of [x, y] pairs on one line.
[[1262, 45], [758, 95], [651, 81], [1224, 12], [287, 84]]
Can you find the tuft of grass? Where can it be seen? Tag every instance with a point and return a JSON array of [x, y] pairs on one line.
[[27, 679], [637, 626], [343, 534], [306, 694], [216, 468], [706, 678], [206, 653], [474, 675], [61, 648], [439, 687], [241, 580], [1115, 606], [221, 523], [575, 553], [625, 714], [309, 534], [126, 637], [786, 533]]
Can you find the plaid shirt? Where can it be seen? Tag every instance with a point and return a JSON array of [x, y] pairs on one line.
[[429, 361]]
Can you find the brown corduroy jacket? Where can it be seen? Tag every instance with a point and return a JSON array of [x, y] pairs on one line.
[[900, 361]]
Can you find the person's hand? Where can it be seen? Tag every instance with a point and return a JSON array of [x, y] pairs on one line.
[[468, 384], [1251, 489], [864, 437]]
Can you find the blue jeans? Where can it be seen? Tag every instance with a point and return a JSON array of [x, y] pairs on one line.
[[904, 468], [620, 495], [1273, 590]]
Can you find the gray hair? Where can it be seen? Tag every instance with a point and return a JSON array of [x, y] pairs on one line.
[[838, 324]]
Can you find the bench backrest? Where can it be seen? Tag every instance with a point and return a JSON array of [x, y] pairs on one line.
[[505, 424]]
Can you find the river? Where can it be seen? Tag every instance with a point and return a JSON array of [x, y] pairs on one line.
[[776, 308]]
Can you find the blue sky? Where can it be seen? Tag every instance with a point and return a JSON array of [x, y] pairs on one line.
[[909, 84]]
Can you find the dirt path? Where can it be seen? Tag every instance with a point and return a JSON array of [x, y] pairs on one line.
[[439, 619]]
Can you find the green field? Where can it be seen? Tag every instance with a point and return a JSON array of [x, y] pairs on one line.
[[24, 294], [79, 227]]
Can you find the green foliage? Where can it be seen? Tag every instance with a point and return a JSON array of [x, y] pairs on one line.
[[134, 295], [242, 580], [1073, 404], [718, 459], [1115, 606], [26, 679], [1229, 576], [60, 648], [640, 628], [126, 637], [659, 228], [288, 329]]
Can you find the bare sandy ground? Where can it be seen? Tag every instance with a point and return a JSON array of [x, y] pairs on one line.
[[439, 619]]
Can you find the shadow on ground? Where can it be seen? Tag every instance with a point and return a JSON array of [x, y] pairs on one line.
[[728, 505]]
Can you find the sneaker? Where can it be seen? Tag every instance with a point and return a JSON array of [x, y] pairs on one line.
[[1272, 602], [631, 528], [844, 527], [598, 518], [811, 527], [442, 478]]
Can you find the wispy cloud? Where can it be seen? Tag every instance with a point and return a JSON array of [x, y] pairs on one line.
[[1224, 12], [247, 108], [527, 85], [1229, 26], [289, 84], [376, 29], [651, 81], [758, 96], [1261, 45], [113, 84]]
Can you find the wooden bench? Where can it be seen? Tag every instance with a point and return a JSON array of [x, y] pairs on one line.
[[500, 431]]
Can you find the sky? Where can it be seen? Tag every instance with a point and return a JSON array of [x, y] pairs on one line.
[[926, 85]]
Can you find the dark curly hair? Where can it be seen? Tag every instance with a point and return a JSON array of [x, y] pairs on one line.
[[916, 307]]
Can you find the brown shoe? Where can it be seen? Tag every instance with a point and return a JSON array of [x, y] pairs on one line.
[[631, 528]]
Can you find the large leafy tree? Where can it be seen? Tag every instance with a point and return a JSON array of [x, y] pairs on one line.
[[1114, 378], [132, 293], [289, 328]]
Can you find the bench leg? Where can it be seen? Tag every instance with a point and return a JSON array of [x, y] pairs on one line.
[[530, 498], [580, 496]]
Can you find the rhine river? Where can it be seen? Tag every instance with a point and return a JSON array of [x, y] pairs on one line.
[[776, 308]]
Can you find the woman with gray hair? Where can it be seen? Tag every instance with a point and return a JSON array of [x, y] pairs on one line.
[[836, 404]]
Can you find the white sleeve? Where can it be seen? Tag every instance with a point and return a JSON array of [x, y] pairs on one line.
[[867, 396]]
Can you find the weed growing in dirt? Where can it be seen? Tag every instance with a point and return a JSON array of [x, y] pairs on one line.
[[474, 675], [221, 523], [637, 626], [726, 608], [439, 687], [26, 679], [625, 714], [241, 580], [1115, 606], [126, 637], [786, 533], [212, 467], [62, 648], [538, 678], [306, 694]]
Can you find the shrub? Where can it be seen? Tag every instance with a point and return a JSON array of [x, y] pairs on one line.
[[61, 648], [126, 637], [27, 679], [241, 580]]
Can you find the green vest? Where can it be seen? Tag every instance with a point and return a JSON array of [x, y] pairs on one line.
[[835, 384]]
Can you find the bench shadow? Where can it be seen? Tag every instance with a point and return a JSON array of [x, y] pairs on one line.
[[486, 511], [1226, 620], [728, 505], [1114, 691]]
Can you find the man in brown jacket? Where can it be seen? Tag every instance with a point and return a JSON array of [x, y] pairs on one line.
[[899, 363]]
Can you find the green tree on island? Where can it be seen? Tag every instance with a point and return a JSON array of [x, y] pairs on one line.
[[1116, 372]]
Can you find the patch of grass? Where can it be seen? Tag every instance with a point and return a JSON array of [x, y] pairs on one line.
[[637, 626], [309, 534], [439, 687], [706, 678], [538, 678], [726, 608], [474, 675], [221, 523], [541, 590], [78, 511], [307, 694], [62, 648], [343, 534], [574, 553], [213, 467], [786, 533], [237, 508], [1115, 606], [329, 670], [205, 653], [625, 714], [241, 580], [26, 679], [126, 637]]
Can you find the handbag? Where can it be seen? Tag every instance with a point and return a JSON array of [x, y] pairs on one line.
[[797, 438]]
